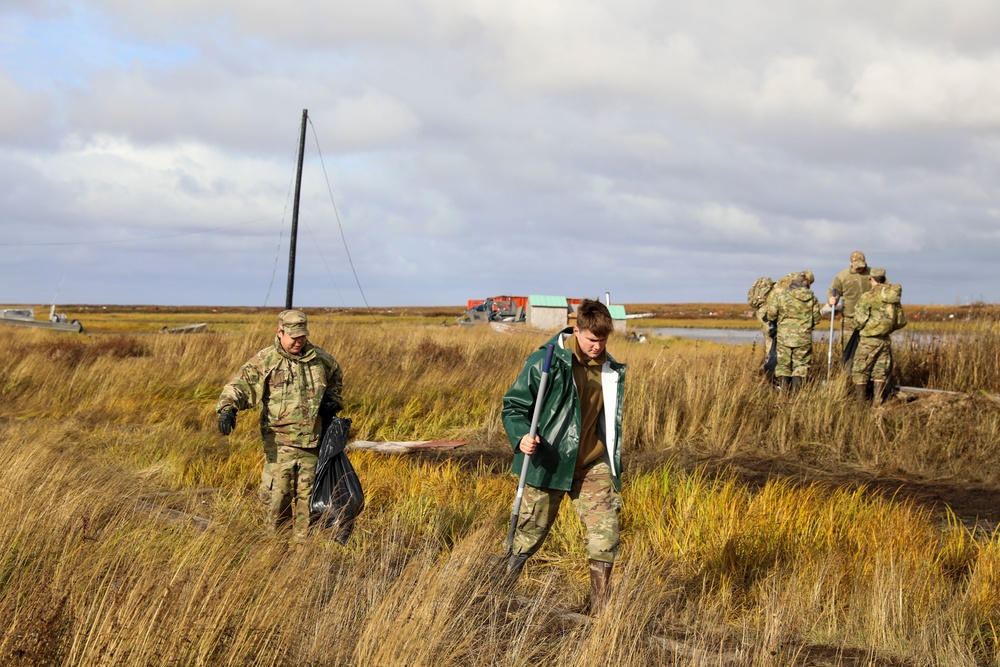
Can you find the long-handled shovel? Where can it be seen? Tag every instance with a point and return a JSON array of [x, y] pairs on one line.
[[829, 351], [534, 429]]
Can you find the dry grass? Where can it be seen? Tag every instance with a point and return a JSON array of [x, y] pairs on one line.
[[114, 470]]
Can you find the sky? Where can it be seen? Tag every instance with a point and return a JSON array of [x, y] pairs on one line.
[[662, 152]]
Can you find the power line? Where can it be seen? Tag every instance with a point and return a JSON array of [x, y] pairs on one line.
[[339, 225]]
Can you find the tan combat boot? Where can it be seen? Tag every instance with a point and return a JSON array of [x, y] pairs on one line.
[[600, 585]]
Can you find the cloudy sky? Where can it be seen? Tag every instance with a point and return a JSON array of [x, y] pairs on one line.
[[661, 151]]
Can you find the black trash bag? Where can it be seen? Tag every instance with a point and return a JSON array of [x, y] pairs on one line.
[[852, 346], [771, 363], [337, 498]]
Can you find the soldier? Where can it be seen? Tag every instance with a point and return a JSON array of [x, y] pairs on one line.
[[757, 299], [780, 286], [849, 285], [877, 314], [577, 450], [796, 312], [298, 387]]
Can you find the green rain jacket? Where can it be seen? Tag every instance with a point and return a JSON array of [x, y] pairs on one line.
[[554, 462]]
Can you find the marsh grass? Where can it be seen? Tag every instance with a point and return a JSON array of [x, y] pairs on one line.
[[133, 536]]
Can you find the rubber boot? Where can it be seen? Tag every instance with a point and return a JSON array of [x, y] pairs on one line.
[[796, 383], [600, 585], [861, 393], [878, 392], [515, 564]]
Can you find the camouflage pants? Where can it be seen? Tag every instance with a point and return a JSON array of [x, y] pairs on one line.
[[873, 360], [793, 361], [286, 484], [596, 503]]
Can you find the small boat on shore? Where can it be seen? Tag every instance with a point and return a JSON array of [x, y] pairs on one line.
[[25, 317]]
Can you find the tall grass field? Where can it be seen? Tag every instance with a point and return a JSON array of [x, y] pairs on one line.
[[757, 528]]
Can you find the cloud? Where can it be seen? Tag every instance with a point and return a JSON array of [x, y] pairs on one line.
[[473, 147]]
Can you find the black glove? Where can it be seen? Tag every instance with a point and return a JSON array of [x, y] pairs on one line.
[[227, 420], [328, 409], [772, 329]]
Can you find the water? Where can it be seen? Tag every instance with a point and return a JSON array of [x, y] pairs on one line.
[[750, 336]]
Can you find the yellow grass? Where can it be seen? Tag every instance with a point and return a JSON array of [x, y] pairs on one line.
[[132, 535]]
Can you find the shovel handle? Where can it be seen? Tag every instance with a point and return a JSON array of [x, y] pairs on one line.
[[533, 431]]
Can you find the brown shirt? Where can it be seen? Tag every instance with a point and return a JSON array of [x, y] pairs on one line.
[[587, 375]]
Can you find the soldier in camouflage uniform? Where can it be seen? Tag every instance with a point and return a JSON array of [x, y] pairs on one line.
[[577, 450], [757, 299], [849, 285], [796, 312], [297, 386], [878, 313]]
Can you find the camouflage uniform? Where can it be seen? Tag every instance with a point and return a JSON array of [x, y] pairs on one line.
[[850, 284], [878, 313], [781, 285], [757, 299], [289, 389], [796, 312]]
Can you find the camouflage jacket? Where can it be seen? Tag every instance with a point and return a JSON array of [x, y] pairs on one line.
[[553, 464], [850, 285], [796, 312], [289, 390], [879, 311]]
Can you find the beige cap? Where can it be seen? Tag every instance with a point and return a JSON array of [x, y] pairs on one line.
[[293, 323], [858, 260]]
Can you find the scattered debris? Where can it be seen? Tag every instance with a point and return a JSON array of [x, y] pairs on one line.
[[201, 327], [497, 309]]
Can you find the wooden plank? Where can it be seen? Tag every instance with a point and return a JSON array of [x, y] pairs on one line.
[[404, 446]]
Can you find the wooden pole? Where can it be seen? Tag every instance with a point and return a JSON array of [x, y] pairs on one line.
[[295, 214]]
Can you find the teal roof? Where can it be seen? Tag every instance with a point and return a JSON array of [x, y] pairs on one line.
[[547, 301], [617, 312]]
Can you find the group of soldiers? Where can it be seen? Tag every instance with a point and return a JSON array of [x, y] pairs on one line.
[[562, 415], [870, 311]]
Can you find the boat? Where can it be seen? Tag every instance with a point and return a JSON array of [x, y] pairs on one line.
[[25, 317]]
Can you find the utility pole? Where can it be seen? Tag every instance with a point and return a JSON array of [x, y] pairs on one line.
[[295, 214]]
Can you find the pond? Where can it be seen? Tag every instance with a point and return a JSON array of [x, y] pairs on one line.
[[749, 336]]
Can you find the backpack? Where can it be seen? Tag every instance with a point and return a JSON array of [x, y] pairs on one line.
[[757, 295], [888, 316]]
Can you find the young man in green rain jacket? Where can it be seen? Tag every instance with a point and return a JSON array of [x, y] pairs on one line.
[[577, 449]]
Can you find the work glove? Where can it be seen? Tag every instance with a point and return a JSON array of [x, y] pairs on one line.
[[227, 420], [328, 409], [772, 329]]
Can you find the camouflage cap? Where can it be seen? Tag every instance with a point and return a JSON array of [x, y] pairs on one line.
[[858, 260], [877, 273], [293, 323], [808, 276]]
